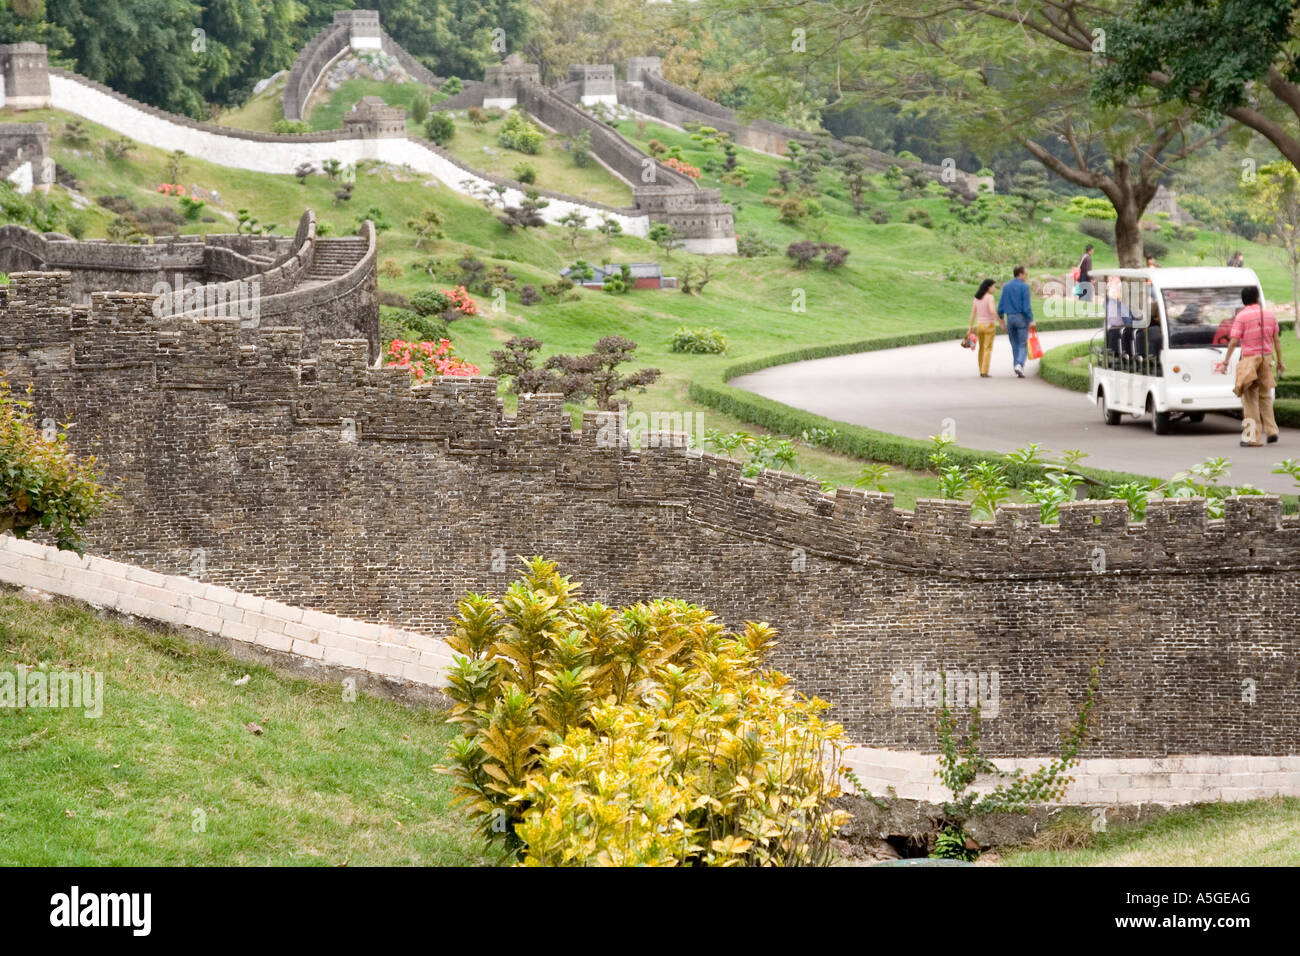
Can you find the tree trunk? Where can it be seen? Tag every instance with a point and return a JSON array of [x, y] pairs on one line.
[[1128, 235], [1295, 295]]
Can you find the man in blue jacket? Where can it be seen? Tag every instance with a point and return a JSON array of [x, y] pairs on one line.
[[1015, 309]]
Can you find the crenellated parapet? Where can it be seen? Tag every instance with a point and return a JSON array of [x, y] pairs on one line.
[[465, 418]]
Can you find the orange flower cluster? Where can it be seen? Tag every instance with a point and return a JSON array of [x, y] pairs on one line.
[[428, 359]]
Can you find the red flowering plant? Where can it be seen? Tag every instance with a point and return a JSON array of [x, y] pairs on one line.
[[686, 169], [427, 360], [171, 189]]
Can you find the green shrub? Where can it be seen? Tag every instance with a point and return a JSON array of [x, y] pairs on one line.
[[526, 173], [642, 736], [190, 208], [1098, 229], [701, 340], [452, 85], [751, 247], [43, 485], [287, 126], [440, 128], [519, 134], [1154, 247], [420, 108], [920, 217], [1093, 207]]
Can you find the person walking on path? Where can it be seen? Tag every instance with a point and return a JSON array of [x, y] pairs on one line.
[[1255, 329], [983, 313], [1017, 313], [1085, 275]]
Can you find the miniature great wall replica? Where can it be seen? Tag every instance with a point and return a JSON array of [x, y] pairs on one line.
[[274, 448]]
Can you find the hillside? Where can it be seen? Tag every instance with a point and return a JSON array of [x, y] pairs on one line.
[[896, 280]]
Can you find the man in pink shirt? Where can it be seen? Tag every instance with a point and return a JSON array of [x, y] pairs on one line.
[[1255, 330]]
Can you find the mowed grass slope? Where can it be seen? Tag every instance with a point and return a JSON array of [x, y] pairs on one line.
[[893, 283], [1254, 833], [169, 775]]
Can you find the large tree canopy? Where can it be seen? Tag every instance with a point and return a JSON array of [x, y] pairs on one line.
[[991, 72], [1235, 58]]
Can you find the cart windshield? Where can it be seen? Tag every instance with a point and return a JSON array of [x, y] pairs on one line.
[[1197, 318]]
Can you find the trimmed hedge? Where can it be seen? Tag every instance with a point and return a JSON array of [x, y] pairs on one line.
[[1055, 367]]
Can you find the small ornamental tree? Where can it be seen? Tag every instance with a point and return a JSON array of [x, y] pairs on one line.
[[427, 360], [574, 222], [596, 374], [42, 484], [665, 237], [1275, 203], [853, 168], [528, 214], [427, 225], [647, 735], [436, 309], [581, 270], [517, 362]]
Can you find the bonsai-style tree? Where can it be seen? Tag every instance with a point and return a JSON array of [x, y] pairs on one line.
[[427, 225], [596, 375], [665, 237], [574, 222], [517, 361]]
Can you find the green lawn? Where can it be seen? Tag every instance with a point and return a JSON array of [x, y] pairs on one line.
[[1256, 833], [554, 165], [168, 775], [259, 112]]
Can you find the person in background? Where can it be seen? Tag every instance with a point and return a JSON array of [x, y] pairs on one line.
[[983, 313], [1017, 313], [1255, 330], [1237, 260], [1151, 263], [1085, 274]]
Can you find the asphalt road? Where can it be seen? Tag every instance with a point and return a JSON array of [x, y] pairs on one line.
[[912, 391]]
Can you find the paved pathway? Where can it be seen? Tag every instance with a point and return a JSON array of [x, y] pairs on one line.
[[911, 391]]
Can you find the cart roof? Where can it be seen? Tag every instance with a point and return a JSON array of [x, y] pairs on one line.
[[1188, 277]]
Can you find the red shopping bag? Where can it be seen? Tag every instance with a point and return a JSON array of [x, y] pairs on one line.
[[1035, 348]]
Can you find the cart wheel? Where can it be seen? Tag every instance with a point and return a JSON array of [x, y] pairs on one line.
[[1159, 420], [1196, 416], [1107, 416]]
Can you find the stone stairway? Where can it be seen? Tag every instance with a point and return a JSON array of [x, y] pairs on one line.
[[335, 257]]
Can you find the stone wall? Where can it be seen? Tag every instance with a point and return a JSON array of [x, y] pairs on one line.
[[310, 65], [665, 195], [331, 645], [216, 275], [298, 480]]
